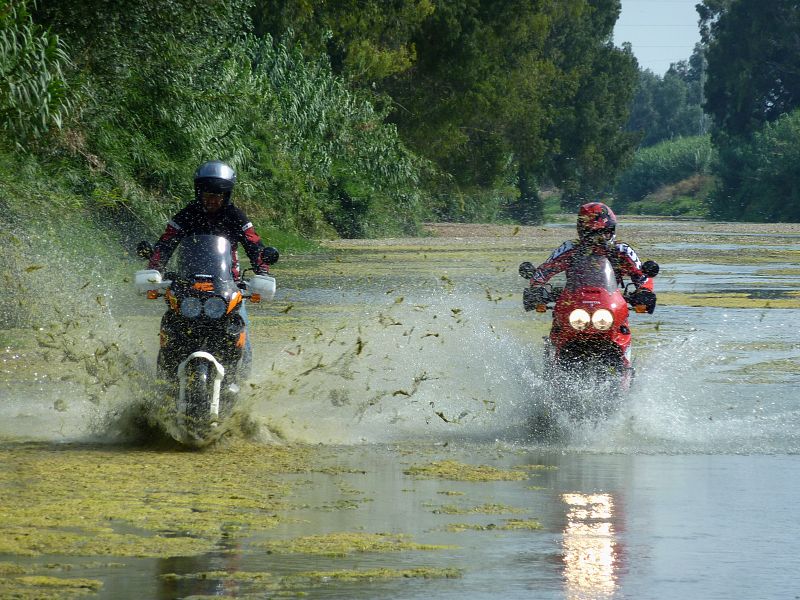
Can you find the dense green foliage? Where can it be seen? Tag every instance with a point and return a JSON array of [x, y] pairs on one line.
[[350, 118], [33, 95], [525, 91], [753, 48], [760, 176], [663, 164], [499, 95], [753, 81], [669, 107]]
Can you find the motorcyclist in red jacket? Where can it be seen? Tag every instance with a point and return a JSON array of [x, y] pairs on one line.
[[597, 225]]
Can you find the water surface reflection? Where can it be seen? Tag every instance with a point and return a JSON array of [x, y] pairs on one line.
[[592, 553]]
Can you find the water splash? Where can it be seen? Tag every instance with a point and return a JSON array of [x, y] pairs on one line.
[[426, 368]]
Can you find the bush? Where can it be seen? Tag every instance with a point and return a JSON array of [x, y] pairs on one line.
[[663, 164], [759, 177]]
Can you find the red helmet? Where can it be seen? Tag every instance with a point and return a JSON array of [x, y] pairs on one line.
[[596, 218]]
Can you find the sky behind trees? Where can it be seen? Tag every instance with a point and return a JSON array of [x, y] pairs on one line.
[[660, 31]]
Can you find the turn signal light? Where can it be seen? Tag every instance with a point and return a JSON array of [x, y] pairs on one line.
[[152, 294], [242, 340], [255, 298], [541, 308]]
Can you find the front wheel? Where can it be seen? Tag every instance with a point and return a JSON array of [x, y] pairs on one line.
[[586, 383], [198, 396]]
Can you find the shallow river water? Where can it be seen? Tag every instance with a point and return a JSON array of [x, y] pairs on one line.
[[387, 450]]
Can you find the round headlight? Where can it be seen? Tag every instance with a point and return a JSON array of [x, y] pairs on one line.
[[602, 319], [214, 308], [579, 319], [191, 307]]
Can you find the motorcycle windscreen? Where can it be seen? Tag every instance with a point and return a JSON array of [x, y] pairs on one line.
[[204, 257], [592, 271]]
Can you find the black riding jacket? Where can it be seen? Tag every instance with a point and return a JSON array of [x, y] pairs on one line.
[[229, 222]]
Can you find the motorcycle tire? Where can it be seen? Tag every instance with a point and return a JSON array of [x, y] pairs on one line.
[[199, 392]]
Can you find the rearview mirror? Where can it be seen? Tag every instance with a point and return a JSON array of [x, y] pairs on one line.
[[526, 270], [144, 250], [270, 255], [650, 268]]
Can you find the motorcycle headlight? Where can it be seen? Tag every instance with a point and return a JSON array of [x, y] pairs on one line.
[[215, 308], [579, 319], [191, 307], [602, 319]]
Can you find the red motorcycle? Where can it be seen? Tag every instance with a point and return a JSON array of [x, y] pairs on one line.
[[587, 359]]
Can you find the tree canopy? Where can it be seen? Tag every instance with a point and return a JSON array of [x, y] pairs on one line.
[[670, 107], [339, 113], [753, 94], [753, 54]]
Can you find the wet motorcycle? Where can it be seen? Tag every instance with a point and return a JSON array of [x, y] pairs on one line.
[[587, 355], [204, 352]]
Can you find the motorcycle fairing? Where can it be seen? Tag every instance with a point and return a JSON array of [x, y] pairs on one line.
[[591, 285]]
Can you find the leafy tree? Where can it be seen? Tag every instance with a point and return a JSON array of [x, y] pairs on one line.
[[366, 40], [171, 83], [753, 81], [753, 52], [764, 171], [670, 106], [513, 89]]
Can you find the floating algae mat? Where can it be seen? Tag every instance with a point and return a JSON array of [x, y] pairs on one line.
[[344, 544], [453, 470], [81, 501], [95, 501], [507, 525], [789, 300]]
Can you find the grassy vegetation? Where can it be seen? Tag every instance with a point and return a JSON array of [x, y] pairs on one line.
[[664, 178], [686, 198]]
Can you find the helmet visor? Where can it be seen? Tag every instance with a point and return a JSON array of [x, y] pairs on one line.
[[599, 236], [214, 185]]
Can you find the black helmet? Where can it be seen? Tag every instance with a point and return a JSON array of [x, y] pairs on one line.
[[214, 176]]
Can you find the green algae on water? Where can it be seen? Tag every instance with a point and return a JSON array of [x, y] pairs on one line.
[[789, 300], [95, 501], [483, 509], [508, 525], [456, 471], [345, 544], [40, 587], [371, 574]]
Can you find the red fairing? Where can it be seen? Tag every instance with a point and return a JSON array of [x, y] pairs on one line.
[[592, 299]]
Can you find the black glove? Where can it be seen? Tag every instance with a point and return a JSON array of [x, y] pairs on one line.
[[533, 296], [644, 298]]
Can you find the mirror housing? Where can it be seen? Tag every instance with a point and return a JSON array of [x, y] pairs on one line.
[[270, 255], [144, 250], [650, 268], [526, 270]]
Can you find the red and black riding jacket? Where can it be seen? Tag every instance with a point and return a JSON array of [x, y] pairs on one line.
[[622, 257], [229, 222]]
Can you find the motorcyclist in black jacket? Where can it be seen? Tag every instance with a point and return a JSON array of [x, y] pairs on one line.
[[212, 213]]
